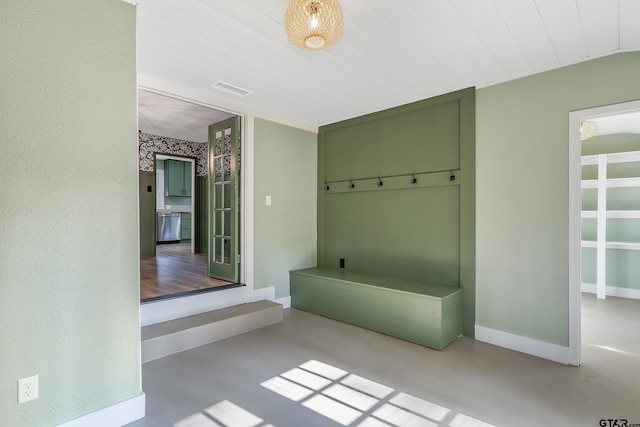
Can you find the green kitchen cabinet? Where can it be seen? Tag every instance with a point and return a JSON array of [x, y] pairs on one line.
[[185, 227], [177, 177]]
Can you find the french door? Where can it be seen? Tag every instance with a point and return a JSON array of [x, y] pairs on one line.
[[224, 177]]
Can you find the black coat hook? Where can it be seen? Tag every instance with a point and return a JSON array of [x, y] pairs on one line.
[[452, 177], [351, 184], [326, 187], [413, 179], [380, 183]]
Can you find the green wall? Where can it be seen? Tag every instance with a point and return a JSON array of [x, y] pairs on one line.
[[200, 214], [522, 177], [423, 231], [285, 232], [147, 214], [69, 288]]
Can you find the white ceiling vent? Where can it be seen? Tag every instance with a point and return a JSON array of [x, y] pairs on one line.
[[226, 87]]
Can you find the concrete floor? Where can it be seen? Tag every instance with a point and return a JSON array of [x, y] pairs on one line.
[[393, 382]]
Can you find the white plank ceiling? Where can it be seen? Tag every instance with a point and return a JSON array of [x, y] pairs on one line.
[[393, 51], [164, 116]]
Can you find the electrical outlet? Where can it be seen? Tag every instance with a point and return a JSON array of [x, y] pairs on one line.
[[27, 389]]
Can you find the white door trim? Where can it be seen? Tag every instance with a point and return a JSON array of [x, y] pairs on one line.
[[193, 163], [575, 177], [246, 183]]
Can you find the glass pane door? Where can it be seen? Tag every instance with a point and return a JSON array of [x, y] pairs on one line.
[[224, 149]]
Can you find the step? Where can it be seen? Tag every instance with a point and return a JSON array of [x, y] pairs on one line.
[[166, 338]]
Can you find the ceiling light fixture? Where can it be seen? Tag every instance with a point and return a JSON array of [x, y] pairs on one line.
[[588, 129], [313, 24]]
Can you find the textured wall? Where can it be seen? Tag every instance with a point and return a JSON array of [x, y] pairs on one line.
[[69, 284], [179, 147], [522, 194], [285, 232]]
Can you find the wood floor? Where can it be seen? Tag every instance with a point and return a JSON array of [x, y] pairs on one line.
[[175, 271]]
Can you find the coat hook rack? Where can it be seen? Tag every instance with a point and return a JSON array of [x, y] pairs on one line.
[[427, 179]]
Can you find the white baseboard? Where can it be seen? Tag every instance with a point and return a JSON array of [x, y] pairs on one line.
[[612, 291], [545, 350], [285, 302], [268, 293], [116, 415]]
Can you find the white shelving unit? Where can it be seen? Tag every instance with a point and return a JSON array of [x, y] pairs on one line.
[[602, 214]]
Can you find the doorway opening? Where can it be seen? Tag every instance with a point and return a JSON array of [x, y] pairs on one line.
[[174, 197], [604, 232]]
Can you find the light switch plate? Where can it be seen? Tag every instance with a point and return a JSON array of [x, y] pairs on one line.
[[268, 200]]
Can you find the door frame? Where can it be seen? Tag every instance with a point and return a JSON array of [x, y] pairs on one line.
[[575, 197], [246, 176], [193, 162]]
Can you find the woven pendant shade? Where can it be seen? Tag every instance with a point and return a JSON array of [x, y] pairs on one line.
[[313, 24]]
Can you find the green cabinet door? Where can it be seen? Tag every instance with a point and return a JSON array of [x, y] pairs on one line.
[[187, 179], [186, 227], [173, 177], [177, 177]]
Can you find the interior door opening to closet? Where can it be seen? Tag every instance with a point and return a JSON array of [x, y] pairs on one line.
[[605, 232]]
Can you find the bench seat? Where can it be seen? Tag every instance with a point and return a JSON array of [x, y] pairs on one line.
[[427, 314]]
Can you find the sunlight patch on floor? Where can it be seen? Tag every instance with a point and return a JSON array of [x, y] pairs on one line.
[[197, 420], [419, 406], [307, 379], [332, 409], [608, 348], [288, 389], [223, 414], [230, 414], [462, 420], [347, 399], [351, 397]]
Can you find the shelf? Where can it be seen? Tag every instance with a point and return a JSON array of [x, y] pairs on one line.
[[612, 214], [602, 216], [625, 157], [623, 245], [612, 245], [612, 183]]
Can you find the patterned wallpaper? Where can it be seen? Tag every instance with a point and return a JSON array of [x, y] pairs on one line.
[[166, 145]]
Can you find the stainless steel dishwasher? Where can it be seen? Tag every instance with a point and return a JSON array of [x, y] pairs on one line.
[[168, 227]]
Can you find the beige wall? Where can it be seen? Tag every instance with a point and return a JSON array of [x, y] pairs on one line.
[[69, 293]]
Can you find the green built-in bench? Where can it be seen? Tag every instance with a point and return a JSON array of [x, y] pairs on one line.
[[424, 313]]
